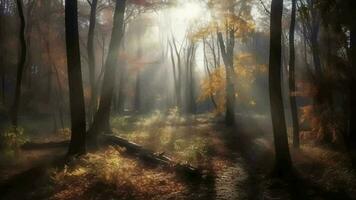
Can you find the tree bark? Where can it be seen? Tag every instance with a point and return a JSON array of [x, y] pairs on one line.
[[76, 96], [102, 116], [178, 78], [315, 26], [206, 64], [91, 59], [121, 92], [2, 66], [137, 102], [352, 128], [282, 156], [21, 65], [190, 75], [27, 76], [175, 78], [3, 80], [292, 87], [227, 55]]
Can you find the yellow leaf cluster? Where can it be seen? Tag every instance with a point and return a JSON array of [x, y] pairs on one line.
[[214, 86], [202, 32], [246, 69]]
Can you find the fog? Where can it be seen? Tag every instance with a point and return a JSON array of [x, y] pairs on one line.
[[177, 99]]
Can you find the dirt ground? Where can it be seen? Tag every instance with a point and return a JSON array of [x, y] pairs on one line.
[[240, 161]]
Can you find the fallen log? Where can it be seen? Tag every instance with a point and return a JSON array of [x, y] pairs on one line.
[[150, 156]]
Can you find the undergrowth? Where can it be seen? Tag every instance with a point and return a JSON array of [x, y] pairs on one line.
[[10, 142], [120, 177], [164, 133], [330, 169]]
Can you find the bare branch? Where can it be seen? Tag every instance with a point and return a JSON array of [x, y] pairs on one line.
[[265, 7]]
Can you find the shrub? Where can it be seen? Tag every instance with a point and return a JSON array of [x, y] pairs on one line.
[[11, 141]]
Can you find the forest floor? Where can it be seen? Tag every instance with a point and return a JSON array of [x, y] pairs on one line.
[[239, 160]]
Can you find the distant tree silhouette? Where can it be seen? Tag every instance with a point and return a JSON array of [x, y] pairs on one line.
[[21, 65]]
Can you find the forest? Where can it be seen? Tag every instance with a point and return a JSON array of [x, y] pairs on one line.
[[177, 99]]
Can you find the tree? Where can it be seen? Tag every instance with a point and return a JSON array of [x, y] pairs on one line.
[[292, 87], [91, 58], [2, 52], [139, 73], [177, 70], [315, 27], [236, 24], [232, 23], [283, 162], [206, 65], [310, 16], [101, 118], [21, 64], [190, 78], [352, 128], [227, 53], [137, 101], [121, 96], [76, 96]]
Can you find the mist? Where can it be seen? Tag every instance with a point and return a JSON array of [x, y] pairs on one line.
[[177, 99]]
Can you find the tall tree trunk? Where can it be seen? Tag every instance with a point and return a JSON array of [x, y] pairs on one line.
[[178, 78], [190, 99], [3, 55], [59, 96], [2, 67], [352, 128], [292, 88], [27, 69], [175, 77], [227, 55], [121, 93], [323, 95], [316, 51], [137, 102], [76, 96], [319, 99], [102, 116], [315, 27], [49, 72], [91, 59], [21, 64], [3, 80], [282, 161], [49, 85], [206, 64], [57, 91], [193, 106], [305, 48]]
